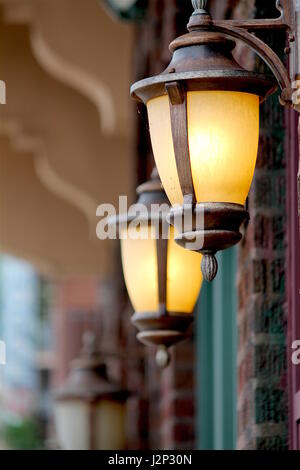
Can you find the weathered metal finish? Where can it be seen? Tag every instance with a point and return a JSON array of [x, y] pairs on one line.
[[286, 13], [202, 60], [220, 230], [176, 93], [284, 21], [202, 28], [209, 266], [158, 338], [266, 54], [221, 79], [221, 224], [241, 29], [178, 111], [162, 258], [162, 331], [199, 4], [146, 321]]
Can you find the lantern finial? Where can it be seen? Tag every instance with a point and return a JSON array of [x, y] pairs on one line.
[[209, 266], [199, 5]]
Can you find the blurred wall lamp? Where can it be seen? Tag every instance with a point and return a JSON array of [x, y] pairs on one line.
[[89, 408], [163, 280], [204, 122]]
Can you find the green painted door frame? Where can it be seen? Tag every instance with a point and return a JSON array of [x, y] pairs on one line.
[[217, 358]]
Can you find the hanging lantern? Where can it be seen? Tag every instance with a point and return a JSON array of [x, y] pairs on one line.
[[204, 124], [89, 408], [163, 280]]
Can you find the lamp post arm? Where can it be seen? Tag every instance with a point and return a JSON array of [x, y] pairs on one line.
[[241, 29], [264, 52], [256, 25], [286, 20]]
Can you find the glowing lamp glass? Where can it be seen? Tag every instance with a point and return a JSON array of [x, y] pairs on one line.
[[184, 278], [105, 431], [223, 133]]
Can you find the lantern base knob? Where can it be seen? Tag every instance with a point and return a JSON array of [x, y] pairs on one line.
[[162, 357], [209, 266]]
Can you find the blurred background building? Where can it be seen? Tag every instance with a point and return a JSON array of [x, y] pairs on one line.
[[71, 139]]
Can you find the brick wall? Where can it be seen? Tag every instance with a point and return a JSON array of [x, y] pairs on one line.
[[262, 392]]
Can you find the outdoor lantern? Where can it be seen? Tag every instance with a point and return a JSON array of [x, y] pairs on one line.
[[163, 280], [89, 409], [204, 124]]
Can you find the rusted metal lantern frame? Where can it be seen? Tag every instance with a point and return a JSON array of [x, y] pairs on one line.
[[88, 382], [161, 328], [202, 60]]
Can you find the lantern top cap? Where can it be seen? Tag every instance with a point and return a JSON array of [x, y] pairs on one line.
[[202, 60], [152, 196], [88, 378], [200, 17], [152, 185], [89, 357], [152, 193]]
